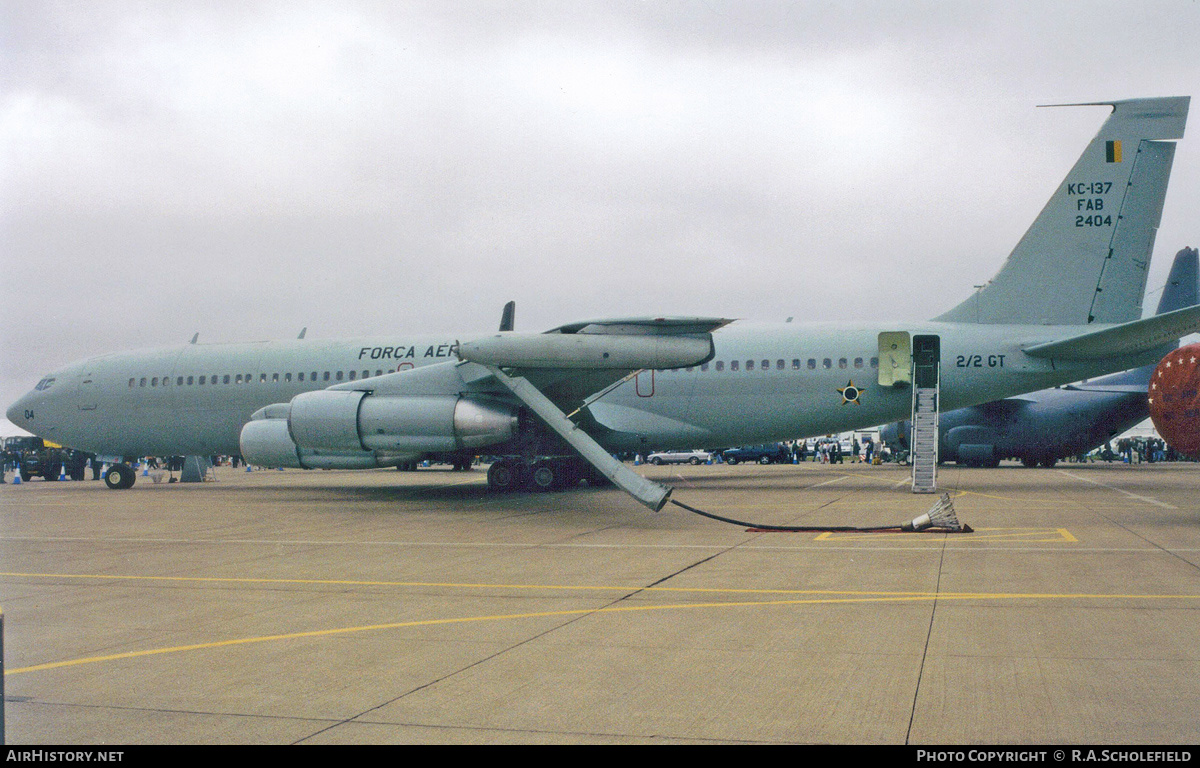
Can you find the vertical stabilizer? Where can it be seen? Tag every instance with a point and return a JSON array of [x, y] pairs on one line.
[[1086, 256], [1183, 284]]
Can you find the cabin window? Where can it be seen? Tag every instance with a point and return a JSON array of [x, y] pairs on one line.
[[225, 380], [142, 383], [749, 365], [237, 379], [874, 362], [704, 367], [262, 378], [154, 382], [733, 365], [766, 365], [353, 375], [339, 375], [326, 376], [779, 365], [827, 363], [190, 381], [313, 377], [288, 376], [858, 362], [812, 363], [841, 362], [378, 373], [274, 377], [795, 363], [720, 365], [131, 381], [366, 374], [247, 378], [179, 382]]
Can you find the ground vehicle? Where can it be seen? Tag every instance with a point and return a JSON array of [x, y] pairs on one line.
[[36, 458], [680, 457], [768, 453]]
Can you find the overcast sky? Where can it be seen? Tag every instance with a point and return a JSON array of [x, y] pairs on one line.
[[245, 169]]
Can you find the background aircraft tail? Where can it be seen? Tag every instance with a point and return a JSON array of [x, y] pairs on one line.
[[1182, 290], [1086, 256]]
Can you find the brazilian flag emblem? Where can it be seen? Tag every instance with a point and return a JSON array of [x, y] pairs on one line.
[[1112, 151]]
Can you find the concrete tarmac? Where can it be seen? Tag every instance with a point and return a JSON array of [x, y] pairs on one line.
[[386, 607]]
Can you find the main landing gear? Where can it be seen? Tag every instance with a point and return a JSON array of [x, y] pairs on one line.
[[514, 473]]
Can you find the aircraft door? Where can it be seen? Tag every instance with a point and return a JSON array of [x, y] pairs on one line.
[[895, 359], [88, 399], [927, 356]]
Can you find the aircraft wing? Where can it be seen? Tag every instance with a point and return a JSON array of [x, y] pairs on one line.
[[571, 362], [558, 371], [1124, 339]]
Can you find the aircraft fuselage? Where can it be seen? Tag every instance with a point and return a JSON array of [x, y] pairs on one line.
[[766, 382]]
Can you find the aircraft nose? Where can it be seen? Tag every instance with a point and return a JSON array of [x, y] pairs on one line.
[[16, 412]]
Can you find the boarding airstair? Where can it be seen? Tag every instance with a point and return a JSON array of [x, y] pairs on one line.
[[923, 444]]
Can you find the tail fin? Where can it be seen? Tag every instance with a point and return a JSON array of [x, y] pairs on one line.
[[1182, 290], [1085, 258], [1183, 284]]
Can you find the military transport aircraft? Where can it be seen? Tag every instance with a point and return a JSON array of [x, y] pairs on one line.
[[1043, 427], [1064, 307]]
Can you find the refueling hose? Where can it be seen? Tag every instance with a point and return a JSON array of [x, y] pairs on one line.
[[939, 519]]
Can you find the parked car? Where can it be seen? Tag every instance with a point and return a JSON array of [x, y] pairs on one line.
[[680, 457], [769, 453]]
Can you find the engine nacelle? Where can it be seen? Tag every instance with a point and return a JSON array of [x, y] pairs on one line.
[[350, 429]]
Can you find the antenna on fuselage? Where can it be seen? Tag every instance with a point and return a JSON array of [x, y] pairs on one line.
[[196, 336], [303, 331]]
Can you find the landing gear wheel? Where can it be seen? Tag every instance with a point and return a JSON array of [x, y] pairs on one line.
[[546, 476], [1031, 463], [504, 475], [120, 477], [1048, 462]]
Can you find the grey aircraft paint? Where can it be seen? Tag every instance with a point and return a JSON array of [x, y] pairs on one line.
[[1043, 427], [754, 383]]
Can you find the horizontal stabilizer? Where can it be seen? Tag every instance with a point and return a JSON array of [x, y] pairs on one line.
[[1125, 339], [1110, 389]]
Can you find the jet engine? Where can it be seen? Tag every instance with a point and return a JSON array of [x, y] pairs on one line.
[[350, 429]]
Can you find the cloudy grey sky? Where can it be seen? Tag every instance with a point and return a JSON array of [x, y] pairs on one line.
[[244, 169]]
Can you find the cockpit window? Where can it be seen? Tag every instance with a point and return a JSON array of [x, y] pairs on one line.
[[45, 384]]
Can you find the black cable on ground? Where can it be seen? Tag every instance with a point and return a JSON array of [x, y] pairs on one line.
[[824, 528]]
